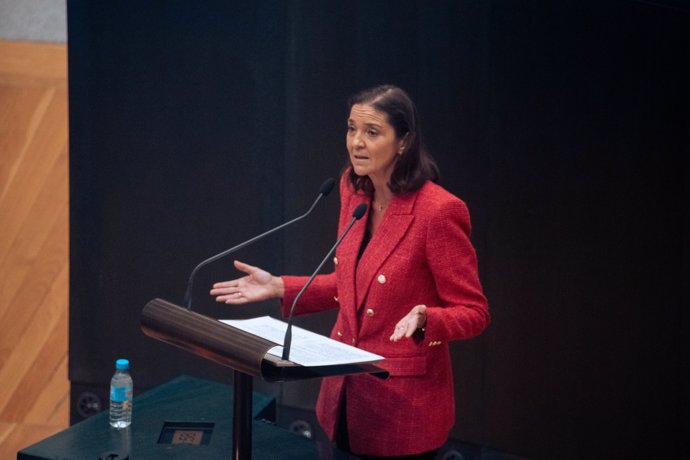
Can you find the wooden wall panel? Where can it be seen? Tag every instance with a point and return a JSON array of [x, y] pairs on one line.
[[34, 252]]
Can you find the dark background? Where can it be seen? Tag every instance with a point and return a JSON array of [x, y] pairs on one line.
[[563, 125]]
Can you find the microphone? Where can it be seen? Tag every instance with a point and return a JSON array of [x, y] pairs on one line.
[[325, 189], [356, 215]]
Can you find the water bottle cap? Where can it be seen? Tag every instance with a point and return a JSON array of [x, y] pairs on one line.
[[122, 364]]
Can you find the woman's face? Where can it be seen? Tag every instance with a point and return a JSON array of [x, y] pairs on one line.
[[372, 143]]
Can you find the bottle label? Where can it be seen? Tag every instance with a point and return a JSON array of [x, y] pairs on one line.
[[121, 394]]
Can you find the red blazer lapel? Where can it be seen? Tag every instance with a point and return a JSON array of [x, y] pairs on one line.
[[392, 229], [347, 260]]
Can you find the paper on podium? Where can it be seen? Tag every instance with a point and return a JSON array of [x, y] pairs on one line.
[[308, 348]]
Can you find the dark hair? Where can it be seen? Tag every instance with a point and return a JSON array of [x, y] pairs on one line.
[[415, 166]]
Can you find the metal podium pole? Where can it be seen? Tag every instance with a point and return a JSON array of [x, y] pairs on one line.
[[242, 416]]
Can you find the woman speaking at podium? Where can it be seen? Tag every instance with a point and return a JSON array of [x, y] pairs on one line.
[[405, 284]]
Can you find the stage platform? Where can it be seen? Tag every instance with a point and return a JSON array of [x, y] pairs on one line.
[[184, 418]]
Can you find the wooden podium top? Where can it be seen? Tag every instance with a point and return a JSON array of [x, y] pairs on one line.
[[232, 347]]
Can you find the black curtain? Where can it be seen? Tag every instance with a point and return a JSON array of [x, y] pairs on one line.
[[563, 125]]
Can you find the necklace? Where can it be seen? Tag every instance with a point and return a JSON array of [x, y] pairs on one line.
[[380, 206]]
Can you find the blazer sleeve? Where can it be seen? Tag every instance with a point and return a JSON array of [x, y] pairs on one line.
[[321, 295], [463, 311]]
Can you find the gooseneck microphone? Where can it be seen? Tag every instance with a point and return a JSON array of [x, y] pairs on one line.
[[356, 215], [325, 189]]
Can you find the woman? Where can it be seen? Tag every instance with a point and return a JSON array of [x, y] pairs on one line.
[[405, 284]]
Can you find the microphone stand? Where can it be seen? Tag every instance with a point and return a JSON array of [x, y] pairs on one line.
[[325, 189], [287, 342]]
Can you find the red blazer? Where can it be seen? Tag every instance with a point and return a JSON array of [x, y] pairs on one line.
[[420, 254]]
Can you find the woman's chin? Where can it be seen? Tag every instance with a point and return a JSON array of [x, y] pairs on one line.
[[360, 171]]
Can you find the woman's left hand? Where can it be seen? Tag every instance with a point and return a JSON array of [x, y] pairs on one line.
[[415, 319]]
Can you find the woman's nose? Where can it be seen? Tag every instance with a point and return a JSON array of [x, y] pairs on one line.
[[358, 140]]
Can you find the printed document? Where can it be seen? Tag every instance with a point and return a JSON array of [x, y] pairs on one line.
[[308, 348]]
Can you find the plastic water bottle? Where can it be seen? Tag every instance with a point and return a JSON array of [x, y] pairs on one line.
[[121, 393]]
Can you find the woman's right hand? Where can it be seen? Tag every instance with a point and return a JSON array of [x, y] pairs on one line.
[[256, 286]]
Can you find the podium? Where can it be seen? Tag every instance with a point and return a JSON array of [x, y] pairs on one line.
[[245, 353]]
